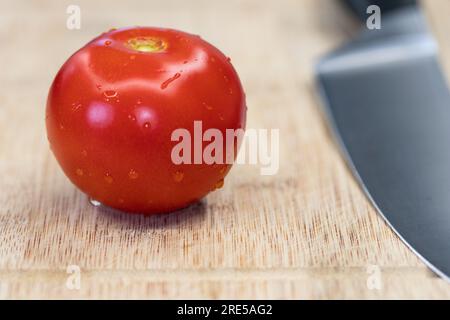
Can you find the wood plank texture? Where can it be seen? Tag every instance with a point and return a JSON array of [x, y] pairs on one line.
[[307, 232]]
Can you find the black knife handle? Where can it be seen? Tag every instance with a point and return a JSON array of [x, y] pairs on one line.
[[359, 7]]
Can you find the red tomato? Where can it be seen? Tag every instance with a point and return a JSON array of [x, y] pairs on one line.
[[114, 104]]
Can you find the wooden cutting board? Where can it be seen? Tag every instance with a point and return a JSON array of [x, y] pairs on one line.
[[307, 232]]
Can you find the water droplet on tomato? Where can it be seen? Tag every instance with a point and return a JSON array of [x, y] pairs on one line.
[[108, 178], [131, 117], [147, 125], [94, 202], [76, 106], [132, 57], [219, 184], [166, 83], [79, 172], [99, 86], [110, 94], [84, 153], [178, 176], [207, 106], [132, 174], [107, 42]]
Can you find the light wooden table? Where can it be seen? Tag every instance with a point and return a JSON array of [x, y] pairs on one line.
[[307, 232]]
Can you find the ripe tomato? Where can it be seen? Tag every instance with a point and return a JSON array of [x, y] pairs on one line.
[[114, 104]]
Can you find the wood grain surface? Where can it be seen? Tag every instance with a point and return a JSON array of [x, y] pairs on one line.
[[307, 232]]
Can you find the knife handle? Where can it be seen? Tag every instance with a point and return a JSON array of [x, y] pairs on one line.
[[359, 7]]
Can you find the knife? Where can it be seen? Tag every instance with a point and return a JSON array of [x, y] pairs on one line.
[[388, 104]]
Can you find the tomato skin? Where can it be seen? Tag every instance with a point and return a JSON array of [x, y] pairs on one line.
[[111, 111]]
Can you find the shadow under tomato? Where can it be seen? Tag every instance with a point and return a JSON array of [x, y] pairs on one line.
[[191, 215]]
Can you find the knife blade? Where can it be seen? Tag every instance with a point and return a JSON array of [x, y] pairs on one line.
[[388, 104]]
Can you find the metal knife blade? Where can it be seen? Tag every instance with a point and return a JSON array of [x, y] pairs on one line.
[[388, 102]]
